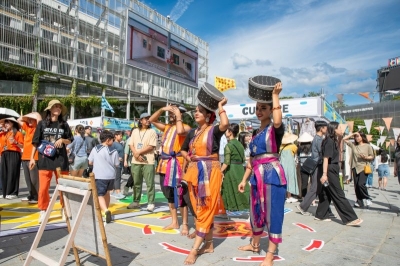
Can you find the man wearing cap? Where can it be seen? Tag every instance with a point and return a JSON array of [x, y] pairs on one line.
[[171, 162], [28, 124], [142, 144]]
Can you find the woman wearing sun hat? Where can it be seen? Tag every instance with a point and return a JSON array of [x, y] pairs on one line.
[[54, 129], [29, 123], [13, 142], [267, 178], [288, 151]]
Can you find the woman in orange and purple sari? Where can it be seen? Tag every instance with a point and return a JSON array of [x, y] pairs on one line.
[[203, 175], [267, 178]]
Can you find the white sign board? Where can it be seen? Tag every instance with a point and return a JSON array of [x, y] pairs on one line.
[[302, 107], [92, 121]]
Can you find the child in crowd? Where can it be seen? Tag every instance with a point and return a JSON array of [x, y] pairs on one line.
[[104, 160]]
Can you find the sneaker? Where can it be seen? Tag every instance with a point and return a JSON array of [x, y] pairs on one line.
[[107, 214], [323, 220], [10, 197], [126, 191], [134, 205], [25, 199], [303, 212], [291, 200], [356, 205], [112, 194], [42, 214], [119, 196], [150, 207], [369, 202], [32, 201]]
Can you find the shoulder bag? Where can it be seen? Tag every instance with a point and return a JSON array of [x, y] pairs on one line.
[[47, 148]]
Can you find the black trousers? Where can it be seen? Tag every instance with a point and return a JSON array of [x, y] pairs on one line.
[[10, 168], [361, 190], [335, 193], [304, 183]]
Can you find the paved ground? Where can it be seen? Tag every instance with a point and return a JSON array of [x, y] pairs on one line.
[[306, 241]]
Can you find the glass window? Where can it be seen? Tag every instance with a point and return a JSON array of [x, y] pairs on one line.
[[176, 59], [161, 52], [144, 43]]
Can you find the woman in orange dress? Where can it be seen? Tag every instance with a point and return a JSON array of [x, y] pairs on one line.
[[203, 175], [13, 142]]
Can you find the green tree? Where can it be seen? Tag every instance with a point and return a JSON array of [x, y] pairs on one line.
[[338, 104], [312, 94]]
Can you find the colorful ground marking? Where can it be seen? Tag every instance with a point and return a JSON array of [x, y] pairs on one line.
[[231, 229], [314, 245], [305, 227], [256, 258], [148, 229]]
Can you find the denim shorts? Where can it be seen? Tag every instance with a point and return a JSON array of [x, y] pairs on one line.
[[104, 185], [383, 170], [80, 163]]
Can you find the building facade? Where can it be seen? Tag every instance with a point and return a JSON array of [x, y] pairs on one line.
[[89, 41]]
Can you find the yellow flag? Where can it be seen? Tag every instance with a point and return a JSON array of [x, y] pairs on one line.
[[224, 84]]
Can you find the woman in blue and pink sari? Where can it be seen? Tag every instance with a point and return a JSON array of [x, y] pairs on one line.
[[267, 178]]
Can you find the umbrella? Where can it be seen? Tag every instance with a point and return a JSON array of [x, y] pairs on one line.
[[5, 112]]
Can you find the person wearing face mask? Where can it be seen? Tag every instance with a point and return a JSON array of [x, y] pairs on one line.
[[13, 142], [171, 163], [331, 189], [267, 177], [53, 128], [29, 123], [203, 175]]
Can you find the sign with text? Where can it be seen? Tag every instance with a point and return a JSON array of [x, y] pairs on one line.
[[302, 107]]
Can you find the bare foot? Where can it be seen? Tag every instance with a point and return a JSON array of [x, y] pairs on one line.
[[185, 230], [208, 247], [171, 226], [191, 258], [268, 261], [249, 247], [192, 235]]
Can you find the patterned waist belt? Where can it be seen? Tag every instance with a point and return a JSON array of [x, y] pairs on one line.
[[265, 155]]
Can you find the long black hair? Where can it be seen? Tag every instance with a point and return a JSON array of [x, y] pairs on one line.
[[305, 147], [397, 144], [331, 134], [384, 156], [242, 139], [47, 119], [363, 137]]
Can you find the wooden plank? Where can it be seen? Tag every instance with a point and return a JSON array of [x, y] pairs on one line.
[[39, 256]]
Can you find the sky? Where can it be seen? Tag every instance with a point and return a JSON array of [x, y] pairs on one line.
[[310, 45]]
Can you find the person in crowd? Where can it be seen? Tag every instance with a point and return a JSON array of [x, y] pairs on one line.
[[245, 138], [128, 164], [362, 155], [171, 162], [105, 161], [142, 144], [203, 175], [53, 129], [233, 172], [382, 165], [332, 189], [2, 135], [288, 153], [304, 152], [29, 123], [321, 128], [90, 140], [370, 177], [222, 145], [118, 145], [13, 142], [267, 178], [79, 148], [396, 166]]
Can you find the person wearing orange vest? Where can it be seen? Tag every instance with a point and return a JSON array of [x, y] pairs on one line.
[[29, 123], [170, 166]]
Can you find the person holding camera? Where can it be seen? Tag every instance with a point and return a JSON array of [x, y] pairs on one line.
[[142, 144]]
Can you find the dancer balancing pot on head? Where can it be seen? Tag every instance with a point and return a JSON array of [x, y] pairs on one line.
[[204, 176], [171, 162], [267, 178]]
